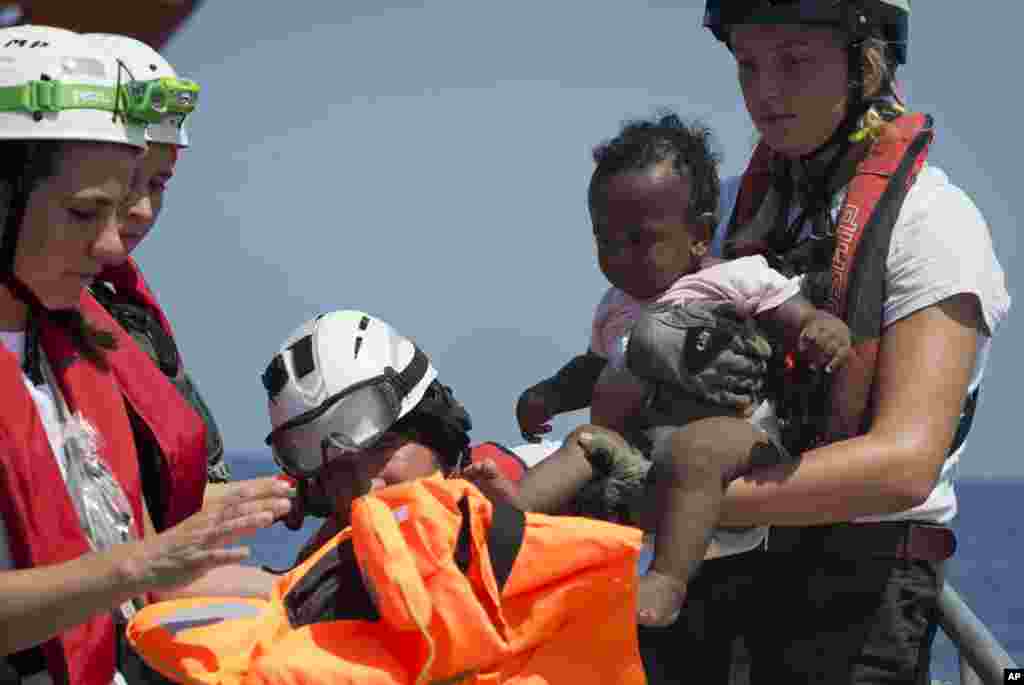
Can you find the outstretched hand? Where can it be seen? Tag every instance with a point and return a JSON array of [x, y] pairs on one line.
[[184, 553]]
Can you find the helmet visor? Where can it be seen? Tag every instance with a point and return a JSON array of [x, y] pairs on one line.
[[351, 421]]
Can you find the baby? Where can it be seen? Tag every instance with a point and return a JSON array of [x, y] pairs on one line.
[[653, 198]]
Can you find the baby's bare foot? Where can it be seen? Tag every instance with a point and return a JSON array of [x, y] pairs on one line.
[[659, 599]]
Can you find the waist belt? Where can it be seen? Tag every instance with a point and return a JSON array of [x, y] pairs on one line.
[[908, 540]]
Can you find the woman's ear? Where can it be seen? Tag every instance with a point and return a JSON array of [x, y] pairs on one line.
[[699, 249]]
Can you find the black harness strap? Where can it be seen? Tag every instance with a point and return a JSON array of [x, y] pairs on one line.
[[504, 539], [332, 590], [15, 667]]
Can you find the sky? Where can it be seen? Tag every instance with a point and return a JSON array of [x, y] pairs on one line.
[[427, 163]]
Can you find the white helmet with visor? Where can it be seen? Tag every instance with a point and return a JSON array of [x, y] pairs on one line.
[[340, 380]]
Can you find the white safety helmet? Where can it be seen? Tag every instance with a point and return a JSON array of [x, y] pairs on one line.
[[146, 64], [341, 379], [56, 85]]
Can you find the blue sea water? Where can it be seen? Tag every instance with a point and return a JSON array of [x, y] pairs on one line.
[[990, 532]]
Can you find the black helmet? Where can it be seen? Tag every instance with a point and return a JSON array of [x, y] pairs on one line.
[[885, 19]]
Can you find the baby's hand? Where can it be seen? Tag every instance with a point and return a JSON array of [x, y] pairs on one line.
[[488, 478], [533, 413], [825, 341]]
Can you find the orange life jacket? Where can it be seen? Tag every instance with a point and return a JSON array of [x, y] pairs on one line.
[[856, 271], [432, 584], [43, 525]]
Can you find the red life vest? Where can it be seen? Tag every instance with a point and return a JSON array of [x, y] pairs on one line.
[[177, 428], [45, 529], [129, 282], [856, 289], [508, 462]]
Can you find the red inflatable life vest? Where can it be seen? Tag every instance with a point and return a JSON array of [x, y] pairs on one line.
[[856, 288], [43, 525]]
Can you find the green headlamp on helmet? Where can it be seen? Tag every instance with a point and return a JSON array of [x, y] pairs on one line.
[[151, 101], [142, 101]]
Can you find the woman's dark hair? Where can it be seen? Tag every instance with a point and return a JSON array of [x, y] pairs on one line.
[[23, 166], [644, 143]]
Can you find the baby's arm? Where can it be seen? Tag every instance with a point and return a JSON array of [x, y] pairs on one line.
[[812, 331], [568, 390], [573, 386]]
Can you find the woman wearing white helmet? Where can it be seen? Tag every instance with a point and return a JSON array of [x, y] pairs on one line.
[[356, 406], [838, 190], [123, 290], [74, 553]]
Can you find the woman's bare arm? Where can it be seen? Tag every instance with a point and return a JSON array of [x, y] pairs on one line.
[[38, 603]]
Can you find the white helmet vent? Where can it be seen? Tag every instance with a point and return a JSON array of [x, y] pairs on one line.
[[84, 66], [364, 323], [303, 362]]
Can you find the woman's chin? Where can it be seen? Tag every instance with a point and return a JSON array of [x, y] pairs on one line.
[[65, 300]]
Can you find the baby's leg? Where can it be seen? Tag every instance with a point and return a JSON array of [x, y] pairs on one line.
[[693, 465], [550, 486]]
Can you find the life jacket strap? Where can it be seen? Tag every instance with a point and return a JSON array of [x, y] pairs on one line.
[[504, 539]]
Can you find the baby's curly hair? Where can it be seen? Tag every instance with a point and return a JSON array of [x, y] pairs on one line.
[[644, 143]]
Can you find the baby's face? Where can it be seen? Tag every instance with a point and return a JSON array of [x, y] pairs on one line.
[[645, 240]]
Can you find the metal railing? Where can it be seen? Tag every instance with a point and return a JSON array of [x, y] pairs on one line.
[[982, 657]]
